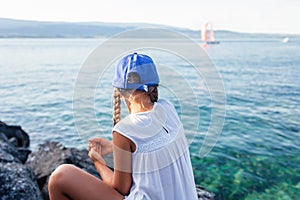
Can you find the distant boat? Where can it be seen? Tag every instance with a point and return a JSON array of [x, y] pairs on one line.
[[208, 38], [286, 40]]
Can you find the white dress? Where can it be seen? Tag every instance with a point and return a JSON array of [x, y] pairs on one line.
[[161, 166]]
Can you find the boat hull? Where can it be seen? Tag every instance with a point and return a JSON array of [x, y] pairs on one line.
[[212, 42]]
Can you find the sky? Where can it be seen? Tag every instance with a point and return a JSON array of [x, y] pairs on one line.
[[255, 16]]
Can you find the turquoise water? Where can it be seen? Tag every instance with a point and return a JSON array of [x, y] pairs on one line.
[[257, 154]]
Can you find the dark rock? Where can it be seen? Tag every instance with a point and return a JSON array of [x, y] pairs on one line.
[[18, 182], [23, 154], [6, 157], [50, 155], [203, 194], [3, 137], [8, 153], [15, 132], [44, 161], [20, 154], [47, 157], [13, 141]]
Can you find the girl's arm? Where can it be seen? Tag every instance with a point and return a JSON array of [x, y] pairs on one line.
[[121, 177]]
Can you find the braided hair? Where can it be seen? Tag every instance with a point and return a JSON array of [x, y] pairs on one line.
[[116, 106], [152, 93]]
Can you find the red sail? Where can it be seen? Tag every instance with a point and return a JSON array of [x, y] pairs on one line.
[[204, 32]]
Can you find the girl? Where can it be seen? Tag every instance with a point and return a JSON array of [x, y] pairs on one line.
[[151, 156]]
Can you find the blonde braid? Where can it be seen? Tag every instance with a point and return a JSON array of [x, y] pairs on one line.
[[117, 106]]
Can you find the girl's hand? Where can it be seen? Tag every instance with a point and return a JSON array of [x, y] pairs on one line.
[[96, 156], [102, 145]]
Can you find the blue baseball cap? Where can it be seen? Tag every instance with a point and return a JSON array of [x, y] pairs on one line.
[[136, 71]]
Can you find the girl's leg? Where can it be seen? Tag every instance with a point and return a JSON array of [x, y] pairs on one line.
[[70, 182]]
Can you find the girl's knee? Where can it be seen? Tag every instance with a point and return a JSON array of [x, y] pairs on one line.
[[60, 175]]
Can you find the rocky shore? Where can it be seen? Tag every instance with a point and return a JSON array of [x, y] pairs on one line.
[[25, 174]]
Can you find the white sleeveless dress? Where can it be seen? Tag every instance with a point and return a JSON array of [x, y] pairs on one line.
[[161, 166]]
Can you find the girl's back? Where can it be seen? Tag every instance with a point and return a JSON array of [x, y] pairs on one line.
[[161, 166]]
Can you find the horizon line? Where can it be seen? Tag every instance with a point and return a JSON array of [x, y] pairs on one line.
[[144, 23]]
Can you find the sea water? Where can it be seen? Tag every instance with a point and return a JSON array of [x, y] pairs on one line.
[[257, 153]]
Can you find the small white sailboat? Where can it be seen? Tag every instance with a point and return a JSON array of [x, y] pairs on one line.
[[286, 40], [208, 38]]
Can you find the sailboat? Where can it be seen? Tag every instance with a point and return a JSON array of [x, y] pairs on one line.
[[286, 40], [204, 34]]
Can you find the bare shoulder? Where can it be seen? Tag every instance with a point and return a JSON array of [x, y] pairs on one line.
[[123, 142]]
